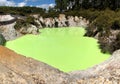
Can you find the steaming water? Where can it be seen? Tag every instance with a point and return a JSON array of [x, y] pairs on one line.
[[64, 48]]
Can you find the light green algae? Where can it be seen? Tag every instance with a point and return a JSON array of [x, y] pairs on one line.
[[64, 48]]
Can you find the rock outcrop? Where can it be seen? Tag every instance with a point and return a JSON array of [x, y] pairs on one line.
[[6, 17], [9, 32], [64, 21], [7, 23], [18, 69], [31, 29]]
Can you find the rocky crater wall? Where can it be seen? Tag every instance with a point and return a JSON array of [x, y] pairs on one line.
[[7, 23], [18, 69]]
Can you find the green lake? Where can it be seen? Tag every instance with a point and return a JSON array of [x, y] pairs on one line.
[[63, 48]]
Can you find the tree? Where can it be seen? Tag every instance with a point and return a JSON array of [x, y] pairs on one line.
[[85, 4], [58, 5], [61, 5]]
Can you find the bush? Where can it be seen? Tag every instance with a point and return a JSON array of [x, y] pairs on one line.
[[26, 10], [115, 44], [116, 25], [102, 24], [19, 24], [89, 14], [31, 20], [25, 23], [2, 40]]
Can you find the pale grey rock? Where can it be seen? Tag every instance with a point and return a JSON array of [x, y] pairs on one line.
[[38, 22], [31, 29], [49, 22], [41, 19], [77, 20], [7, 27], [6, 17], [62, 20], [9, 32], [36, 16], [71, 21]]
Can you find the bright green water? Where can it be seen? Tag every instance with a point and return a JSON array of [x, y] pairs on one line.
[[63, 48]]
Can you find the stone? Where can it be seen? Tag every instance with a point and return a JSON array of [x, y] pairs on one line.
[[6, 17], [71, 21], [49, 22], [7, 27], [31, 29], [39, 24], [62, 20]]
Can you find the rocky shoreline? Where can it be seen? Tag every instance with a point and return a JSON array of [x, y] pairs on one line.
[[8, 22], [18, 69]]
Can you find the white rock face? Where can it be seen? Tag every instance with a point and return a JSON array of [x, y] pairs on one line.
[[71, 21], [8, 30], [7, 23], [38, 22], [62, 20], [49, 22], [6, 17], [32, 29]]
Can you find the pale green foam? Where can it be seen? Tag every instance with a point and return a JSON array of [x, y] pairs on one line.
[[63, 48]]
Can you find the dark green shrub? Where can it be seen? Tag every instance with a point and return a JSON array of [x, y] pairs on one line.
[[104, 45], [115, 45], [19, 24], [89, 14], [102, 25], [116, 25], [2, 40], [31, 20], [25, 22]]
